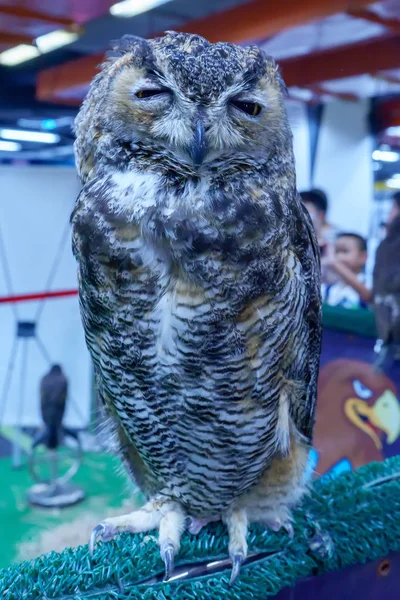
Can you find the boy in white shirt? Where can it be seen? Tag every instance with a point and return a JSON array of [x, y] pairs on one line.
[[344, 267]]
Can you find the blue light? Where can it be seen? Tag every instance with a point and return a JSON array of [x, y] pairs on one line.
[[49, 124]]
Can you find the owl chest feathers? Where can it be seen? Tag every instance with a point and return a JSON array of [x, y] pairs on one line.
[[202, 253], [182, 221], [198, 292]]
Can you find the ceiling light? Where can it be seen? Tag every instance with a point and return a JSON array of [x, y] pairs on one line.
[[49, 124], [393, 183], [29, 136], [18, 54], [131, 8], [55, 39], [385, 155], [29, 123], [394, 131], [9, 146]]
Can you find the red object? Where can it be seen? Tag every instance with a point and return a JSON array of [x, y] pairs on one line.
[[38, 296]]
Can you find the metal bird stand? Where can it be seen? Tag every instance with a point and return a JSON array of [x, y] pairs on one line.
[[52, 469]]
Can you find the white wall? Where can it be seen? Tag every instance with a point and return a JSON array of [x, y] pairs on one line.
[[343, 165], [298, 119], [35, 206]]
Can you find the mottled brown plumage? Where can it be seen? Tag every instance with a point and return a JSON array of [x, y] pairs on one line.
[[199, 284]]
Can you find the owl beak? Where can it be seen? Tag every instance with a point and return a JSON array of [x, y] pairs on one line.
[[198, 149]]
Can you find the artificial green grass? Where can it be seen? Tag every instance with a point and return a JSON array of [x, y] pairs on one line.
[[348, 520]]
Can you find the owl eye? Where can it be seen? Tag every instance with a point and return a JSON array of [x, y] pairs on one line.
[[361, 390], [250, 108], [150, 93]]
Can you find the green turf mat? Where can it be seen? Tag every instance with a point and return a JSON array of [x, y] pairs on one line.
[[100, 476], [346, 520]]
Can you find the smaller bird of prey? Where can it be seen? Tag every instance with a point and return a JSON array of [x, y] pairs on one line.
[[53, 395], [199, 285]]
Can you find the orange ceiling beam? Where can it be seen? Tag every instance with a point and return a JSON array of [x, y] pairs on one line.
[[372, 17], [259, 19], [51, 84], [378, 54], [13, 39], [26, 13]]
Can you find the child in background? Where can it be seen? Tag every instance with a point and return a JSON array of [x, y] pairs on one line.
[[346, 259], [316, 203]]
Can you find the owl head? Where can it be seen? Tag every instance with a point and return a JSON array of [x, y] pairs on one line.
[[195, 102]]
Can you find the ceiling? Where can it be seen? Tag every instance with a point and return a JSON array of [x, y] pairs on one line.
[[326, 51]]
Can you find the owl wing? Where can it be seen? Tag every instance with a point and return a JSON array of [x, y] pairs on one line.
[[293, 329], [101, 270], [305, 241]]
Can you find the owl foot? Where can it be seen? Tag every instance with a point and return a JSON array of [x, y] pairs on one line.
[[145, 519], [168, 517], [236, 522], [172, 525]]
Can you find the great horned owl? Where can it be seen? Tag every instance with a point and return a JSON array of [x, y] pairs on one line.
[[199, 285]]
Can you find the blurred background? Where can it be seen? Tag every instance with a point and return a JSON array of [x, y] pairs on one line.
[[342, 70]]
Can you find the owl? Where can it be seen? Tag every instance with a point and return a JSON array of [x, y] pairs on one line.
[[199, 286]]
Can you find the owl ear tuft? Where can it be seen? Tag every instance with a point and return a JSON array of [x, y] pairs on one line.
[[130, 44], [281, 82]]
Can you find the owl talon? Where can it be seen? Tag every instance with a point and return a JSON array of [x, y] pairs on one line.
[[237, 561], [96, 534], [288, 527], [236, 522], [168, 556], [276, 525]]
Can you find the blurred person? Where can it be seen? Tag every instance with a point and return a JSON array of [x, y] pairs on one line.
[[394, 214], [347, 258], [386, 279], [316, 203]]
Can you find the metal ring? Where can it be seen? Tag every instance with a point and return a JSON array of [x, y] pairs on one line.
[[74, 468]]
